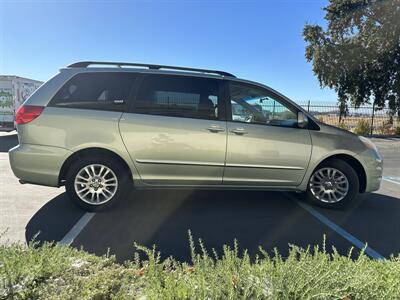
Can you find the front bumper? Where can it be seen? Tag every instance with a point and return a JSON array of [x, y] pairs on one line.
[[38, 164], [373, 166]]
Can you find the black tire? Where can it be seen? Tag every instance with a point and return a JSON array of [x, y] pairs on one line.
[[353, 184], [121, 173]]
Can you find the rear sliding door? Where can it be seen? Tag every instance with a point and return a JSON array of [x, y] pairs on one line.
[[174, 131]]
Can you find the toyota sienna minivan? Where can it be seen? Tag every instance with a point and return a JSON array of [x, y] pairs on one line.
[[104, 128]]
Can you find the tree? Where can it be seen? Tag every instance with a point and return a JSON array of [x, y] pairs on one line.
[[358, 54]]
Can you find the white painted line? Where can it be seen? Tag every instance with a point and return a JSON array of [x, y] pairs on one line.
[[339, 230], [76, 229], [390, 179]]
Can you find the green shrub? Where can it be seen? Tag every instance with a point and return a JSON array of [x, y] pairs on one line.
[[363, 127], [61, 272], [397, 130], [56, 272], [344, 126]]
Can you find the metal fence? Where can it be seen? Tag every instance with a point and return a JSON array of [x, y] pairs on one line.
[[363, 120]]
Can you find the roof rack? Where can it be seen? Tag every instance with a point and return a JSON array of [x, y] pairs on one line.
[[85, 64]]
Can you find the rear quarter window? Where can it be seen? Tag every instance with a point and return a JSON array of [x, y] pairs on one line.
[[100, 91]]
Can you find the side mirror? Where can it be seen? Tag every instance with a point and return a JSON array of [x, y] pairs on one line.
[[302, 120]]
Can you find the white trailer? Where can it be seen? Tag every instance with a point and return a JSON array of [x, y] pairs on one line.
[[13, 92]]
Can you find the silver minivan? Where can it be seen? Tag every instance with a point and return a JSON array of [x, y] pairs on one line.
[[104, 128]]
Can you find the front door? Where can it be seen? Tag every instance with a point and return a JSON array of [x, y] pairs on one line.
[[264, 147], [173, 131]]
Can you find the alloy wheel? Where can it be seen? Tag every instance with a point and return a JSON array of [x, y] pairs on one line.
[[96, 184], [329, 185]]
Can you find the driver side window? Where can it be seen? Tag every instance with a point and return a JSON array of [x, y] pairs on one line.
[[254, 105]]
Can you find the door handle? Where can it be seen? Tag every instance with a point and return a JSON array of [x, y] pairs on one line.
[[215, 128], [239, 131]]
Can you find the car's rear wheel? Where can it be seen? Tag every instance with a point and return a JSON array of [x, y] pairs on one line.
[[333, 184], [96, 183]]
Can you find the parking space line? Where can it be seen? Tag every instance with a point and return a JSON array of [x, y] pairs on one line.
[[339, 230], [391, 179], [76, 229]]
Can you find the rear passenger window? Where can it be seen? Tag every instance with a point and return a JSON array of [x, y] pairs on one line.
[[178, 96], [102, 91]]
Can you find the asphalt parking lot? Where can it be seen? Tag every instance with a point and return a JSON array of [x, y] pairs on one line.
[[163, 217]]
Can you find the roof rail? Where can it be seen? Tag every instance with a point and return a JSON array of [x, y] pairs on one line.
[[85, 64]]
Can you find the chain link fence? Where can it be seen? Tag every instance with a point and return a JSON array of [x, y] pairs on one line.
[[362, 120]]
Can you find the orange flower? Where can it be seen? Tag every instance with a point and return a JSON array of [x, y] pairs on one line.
[[235, 280], [140, 272]]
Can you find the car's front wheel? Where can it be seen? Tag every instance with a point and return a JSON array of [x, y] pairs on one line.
[[333, 184], [96, 183]]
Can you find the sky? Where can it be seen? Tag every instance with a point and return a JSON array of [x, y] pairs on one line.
[[255, 40]]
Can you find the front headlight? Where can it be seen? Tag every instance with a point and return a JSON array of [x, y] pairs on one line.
[[367, 143]]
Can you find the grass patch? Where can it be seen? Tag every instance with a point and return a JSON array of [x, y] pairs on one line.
[[61, 272]]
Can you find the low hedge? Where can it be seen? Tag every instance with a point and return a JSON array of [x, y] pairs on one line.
[[61, 272]]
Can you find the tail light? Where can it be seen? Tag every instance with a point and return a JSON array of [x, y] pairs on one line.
[[27, 113]]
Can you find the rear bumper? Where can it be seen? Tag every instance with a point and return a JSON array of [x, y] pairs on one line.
[[373, 166], [38, 164]]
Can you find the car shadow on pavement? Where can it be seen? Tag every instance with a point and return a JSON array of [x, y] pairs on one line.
[[52, 222], [163, 218], [267, 219], [7, 142]]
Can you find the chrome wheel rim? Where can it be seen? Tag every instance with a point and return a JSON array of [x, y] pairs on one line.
[[329, 185], [96, 184]]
